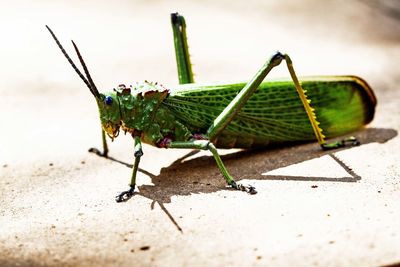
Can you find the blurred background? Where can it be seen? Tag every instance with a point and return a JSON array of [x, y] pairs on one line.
[[126, 41]]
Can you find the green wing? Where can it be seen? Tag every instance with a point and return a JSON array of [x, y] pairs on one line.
[[275, 113]]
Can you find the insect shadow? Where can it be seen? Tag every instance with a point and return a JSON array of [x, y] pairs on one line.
[[200, 175]]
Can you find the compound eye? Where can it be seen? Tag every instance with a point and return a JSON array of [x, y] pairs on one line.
[[108, 100]]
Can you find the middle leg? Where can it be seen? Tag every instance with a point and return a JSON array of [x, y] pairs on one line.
[[207, 145]]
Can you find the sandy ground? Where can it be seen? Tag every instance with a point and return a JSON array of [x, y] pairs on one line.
[[313, 208]]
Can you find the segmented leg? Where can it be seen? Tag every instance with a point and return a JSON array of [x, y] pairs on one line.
[[207, 145], [104, 141], [241, 98], [312, 116], [105, 146], [185, 73], [125, 195]]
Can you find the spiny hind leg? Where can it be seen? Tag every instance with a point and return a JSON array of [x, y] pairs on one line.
[[312, 116], [233, 108], [207, 145], [227, 115]]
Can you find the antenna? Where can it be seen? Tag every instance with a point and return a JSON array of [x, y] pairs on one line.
[[89, 83], [92, 85]]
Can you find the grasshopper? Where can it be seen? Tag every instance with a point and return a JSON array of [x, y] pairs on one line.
[[229, 115]]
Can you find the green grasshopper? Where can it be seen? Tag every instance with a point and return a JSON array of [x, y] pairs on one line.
[[229, 115]]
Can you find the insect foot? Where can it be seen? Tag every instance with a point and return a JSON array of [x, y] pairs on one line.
[[98, 152], [352, 141], [247, 188], [125, 195]]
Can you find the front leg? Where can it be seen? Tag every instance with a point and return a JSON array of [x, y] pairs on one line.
[[125, 195], [105, 146]]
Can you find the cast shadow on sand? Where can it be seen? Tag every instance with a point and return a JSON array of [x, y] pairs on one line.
[[201, 175]]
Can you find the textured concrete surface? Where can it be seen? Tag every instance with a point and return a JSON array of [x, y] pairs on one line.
[[313, 208]]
